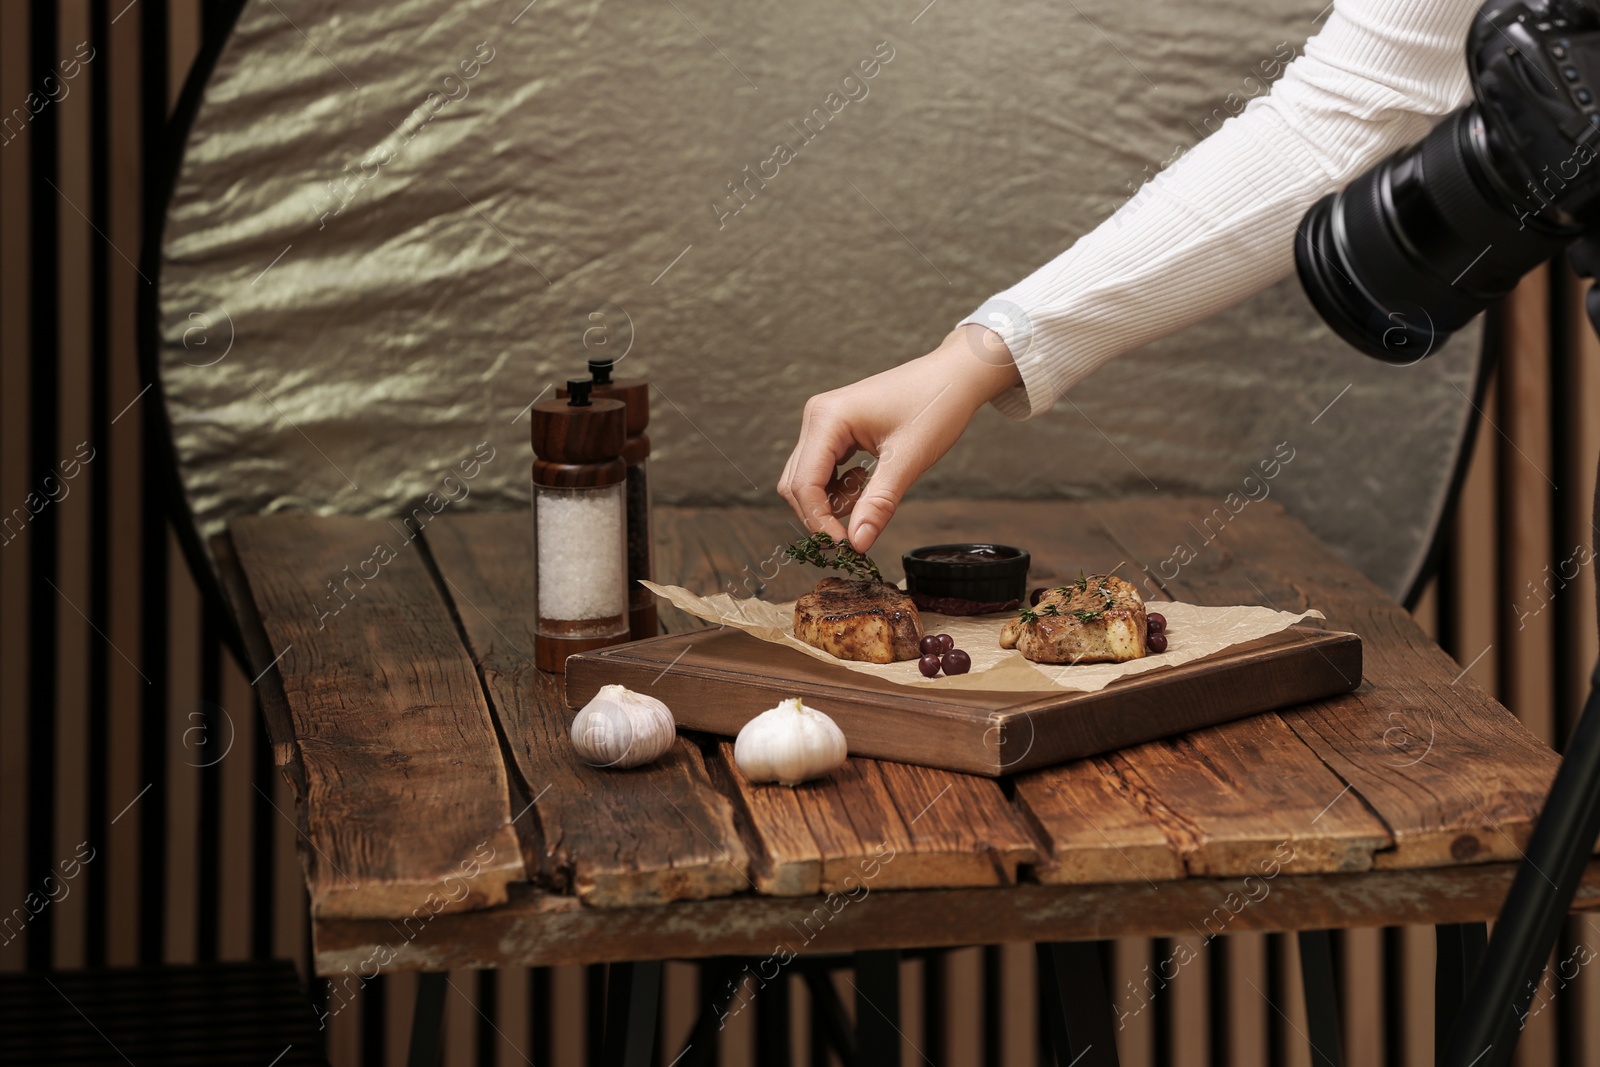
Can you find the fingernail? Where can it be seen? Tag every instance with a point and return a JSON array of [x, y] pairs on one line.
[[864, 535]]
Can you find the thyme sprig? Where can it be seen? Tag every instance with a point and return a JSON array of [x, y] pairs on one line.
[[1028, 615], [820, 550], [1082, 585]]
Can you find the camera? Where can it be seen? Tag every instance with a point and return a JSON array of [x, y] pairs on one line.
[[1416, 246]]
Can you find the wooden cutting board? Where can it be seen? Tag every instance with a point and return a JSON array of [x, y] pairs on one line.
[[717, 679]]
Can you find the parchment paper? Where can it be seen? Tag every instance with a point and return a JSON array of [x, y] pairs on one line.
[[1193, 632]]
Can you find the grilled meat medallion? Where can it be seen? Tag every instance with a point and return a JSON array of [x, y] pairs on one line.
[[861, 620], [1098, 619]]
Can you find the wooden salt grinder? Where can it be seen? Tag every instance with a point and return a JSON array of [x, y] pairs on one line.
[[635, 393], [579, 499]]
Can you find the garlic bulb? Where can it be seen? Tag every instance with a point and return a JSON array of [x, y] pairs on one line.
[[621, 728], [789, 744]]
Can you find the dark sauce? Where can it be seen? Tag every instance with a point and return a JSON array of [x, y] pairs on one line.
[[968, 555], [951, 605]]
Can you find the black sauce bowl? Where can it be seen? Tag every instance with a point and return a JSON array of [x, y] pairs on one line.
[[966, 579]]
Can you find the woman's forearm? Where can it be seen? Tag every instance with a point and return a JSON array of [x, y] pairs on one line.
[[1218, 225]]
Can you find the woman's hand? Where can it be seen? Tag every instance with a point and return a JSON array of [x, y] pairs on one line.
[[907, 417]]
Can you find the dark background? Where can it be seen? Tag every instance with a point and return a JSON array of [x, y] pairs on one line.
[[125, 725]]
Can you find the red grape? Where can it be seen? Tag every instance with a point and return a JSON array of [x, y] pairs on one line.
[[929, 645], [1157, 642], [957, 662], [946, 643], [1156, 622], [929, 665], [1036, 596]]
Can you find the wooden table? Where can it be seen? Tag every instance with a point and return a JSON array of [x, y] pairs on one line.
[[445, 823]]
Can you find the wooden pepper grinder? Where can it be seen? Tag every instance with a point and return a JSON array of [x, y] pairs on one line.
[[580, 526], [635, 394]]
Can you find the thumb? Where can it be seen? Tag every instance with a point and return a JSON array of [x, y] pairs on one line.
[[896, 470]]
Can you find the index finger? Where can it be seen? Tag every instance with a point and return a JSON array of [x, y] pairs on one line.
[[807, 476]]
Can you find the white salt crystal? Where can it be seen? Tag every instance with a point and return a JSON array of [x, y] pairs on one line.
[[579, 543]]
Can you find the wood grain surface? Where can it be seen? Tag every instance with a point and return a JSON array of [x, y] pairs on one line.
[[1452, 774], [614, 837], [1228, 799], [721, 678], [405, 800], [1095, 828], [566, 438], [1344, 809], [538, 929], [275, 712], [880, 824], [942, 828], [1231, 799]]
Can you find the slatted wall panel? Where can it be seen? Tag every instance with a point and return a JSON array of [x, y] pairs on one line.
[[127, 730]]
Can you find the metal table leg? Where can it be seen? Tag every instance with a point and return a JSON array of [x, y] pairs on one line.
[[633, 1000], [830, 1026], [878, 1007], [1080, 1010], [1322, 998], [427, 1020], [772, 1022]]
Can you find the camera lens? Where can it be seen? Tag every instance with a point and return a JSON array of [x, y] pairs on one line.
[[1415, 247]]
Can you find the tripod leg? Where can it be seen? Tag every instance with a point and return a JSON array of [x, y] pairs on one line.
[[1461, 947], [1530, 918]]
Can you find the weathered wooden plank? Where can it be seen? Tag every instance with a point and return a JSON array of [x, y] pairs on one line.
[[1241, 797], [1055, 533], [785, 859], [938, 828], [275, 713], [734, 550], [614, 837], [538, 929], [738, 551], [1221, 813], [885, 825], [1233, 798], [405, 794], [1451, 773], [1092, 830], [961, 827], [1095, 831], [676, 551]]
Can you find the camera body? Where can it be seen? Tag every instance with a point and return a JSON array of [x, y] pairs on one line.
[[1415, 247]]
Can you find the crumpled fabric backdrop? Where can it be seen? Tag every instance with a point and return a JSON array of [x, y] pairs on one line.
[[397, 224]]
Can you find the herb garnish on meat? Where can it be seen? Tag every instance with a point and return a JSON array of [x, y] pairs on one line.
[[820, 550]]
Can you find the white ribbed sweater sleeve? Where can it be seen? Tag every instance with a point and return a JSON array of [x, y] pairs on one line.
[[1218, 225]]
